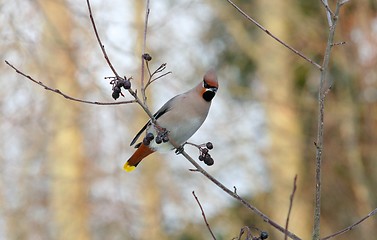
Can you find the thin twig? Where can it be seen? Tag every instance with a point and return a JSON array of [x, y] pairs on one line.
[[147, 10], [132, 92], [339, 43], [63, 94], [204, 216], [290, 204], [329, 13], [100, 42], [151, 75], [249, 235], [156, 78], [374, 212], [320, 132], [144, 106], [235, 195], [273, 36]]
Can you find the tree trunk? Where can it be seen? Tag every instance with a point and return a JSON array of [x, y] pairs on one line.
[[68, 199], [284, 156]]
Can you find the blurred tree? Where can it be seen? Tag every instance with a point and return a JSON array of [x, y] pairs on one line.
[[272, 66], [253, 70], [67, 161], [350, 168], [149, 186], [288, 92]]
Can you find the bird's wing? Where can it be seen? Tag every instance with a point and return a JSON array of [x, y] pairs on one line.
[[164, 109]]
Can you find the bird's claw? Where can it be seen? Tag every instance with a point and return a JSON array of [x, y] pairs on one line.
[[180, 149]]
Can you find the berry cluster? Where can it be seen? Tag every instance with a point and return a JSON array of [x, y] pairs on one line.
[[162, 136], [204, 154], [148, 138], [118, 84]]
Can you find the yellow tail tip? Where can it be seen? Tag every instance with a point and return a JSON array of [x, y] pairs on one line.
[[128, 168]]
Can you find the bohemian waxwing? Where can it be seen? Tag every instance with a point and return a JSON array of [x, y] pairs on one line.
[[181, 116]]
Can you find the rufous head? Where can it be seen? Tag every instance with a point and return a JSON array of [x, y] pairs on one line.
[[210, 85]]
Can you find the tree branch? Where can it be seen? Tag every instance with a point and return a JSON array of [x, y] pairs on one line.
[[204, 216], [290, 204], [63, 94], [374, 212], [132, 92], [235, 195], [147, 11], [100, 42], [323, 89], [329, 13], [273, 36]]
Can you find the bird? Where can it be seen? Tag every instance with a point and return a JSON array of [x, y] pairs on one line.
[[179, 118]]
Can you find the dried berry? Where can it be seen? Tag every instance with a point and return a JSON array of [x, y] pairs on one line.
[[116, 89], [149, 136], [127, 84], [158, 139], [208, 160], [165, 138], [146, 141], [209, 145], [115, 95], [147, 57], [119, 84], [263, 235]]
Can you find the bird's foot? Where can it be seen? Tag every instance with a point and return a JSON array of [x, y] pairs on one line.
[[180, 149]]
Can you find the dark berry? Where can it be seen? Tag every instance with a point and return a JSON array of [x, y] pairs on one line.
[[201, 157], [165, 138], [146, 141], [149, 136], [119, 84], [209, 145], [158, 139], [115, 95], [127, 84], [208, 160], [147, 57], [116, 89], [263, 235]]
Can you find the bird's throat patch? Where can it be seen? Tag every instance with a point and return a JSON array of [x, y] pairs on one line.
[[208, 95]]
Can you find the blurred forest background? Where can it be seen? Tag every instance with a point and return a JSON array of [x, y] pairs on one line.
[[61, 162]]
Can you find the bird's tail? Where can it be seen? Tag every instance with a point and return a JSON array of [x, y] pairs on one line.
[[141, 152]]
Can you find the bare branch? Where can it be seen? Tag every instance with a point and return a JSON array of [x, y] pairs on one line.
[[273, 36], [344, 2], [204, 216], [290, 204], [249, 235], [329, 13], [372, 213], [63, 94], [320, 132], [339, 43], [100, 42], [151, 78], [147, 11], [235, 195]]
